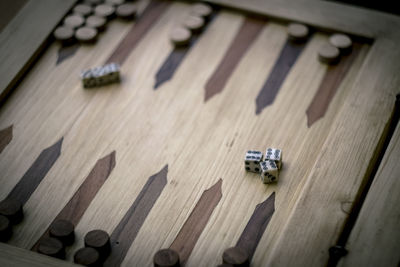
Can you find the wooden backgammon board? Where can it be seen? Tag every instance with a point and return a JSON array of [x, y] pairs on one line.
[[156, 160]]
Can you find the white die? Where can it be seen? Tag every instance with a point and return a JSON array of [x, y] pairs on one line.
[[101, 75], [269, 171], [275, 155], [113, 76], [252, 161], [111, 73], [87, 79], [113, 67], [89, 82]]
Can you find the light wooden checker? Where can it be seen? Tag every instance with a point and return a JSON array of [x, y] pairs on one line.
[[63, 34], [83, 9], [194, 23], [74, 21], [298, 32], [200, 141], [180, 35], [96, 22], [86, 34], [126, 11]]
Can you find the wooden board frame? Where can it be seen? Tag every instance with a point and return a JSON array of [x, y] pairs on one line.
[[323, 15], [25, 37], [378, 222], [377, 76]]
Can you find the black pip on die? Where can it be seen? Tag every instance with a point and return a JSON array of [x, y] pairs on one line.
[[269, 171], [275, 155], [252, 161]]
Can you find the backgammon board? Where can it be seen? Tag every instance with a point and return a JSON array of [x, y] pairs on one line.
[[156, 160]]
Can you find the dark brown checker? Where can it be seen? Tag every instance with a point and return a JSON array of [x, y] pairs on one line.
[[87, 257], [12, 209], [52, 247], [99, 240], [64, 231], [166, 258], [236, 256]]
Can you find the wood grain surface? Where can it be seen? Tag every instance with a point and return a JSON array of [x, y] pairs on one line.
[[329, 85], [66, 52], [246, 35], [170, 65], [80, 201], [375, 237], [203, 142], [146, 20], [23, 190], [24, 38], [198, 219], [288, 56], [126, 231], [9, 10], [255, 228]]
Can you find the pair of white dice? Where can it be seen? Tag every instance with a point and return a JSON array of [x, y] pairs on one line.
[[269, 168], [100, 75]]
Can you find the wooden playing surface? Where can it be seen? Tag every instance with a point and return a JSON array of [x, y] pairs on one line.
[[157, 160]]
